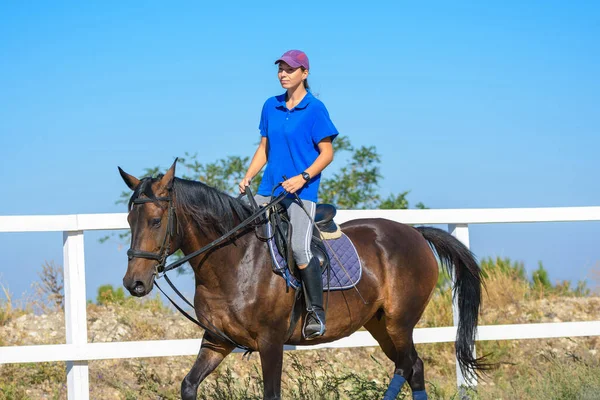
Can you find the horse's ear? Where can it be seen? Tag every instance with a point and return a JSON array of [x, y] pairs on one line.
[[167, 180], [131, 181]]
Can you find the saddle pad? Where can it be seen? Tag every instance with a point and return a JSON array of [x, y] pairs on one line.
[[346, 268]]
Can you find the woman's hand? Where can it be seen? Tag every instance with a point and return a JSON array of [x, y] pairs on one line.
[[294, 184], [243, 183]]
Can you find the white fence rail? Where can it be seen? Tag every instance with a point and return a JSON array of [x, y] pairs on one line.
[[77, 351]]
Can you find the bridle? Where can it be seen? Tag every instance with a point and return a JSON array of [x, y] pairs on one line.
[[163, 253]]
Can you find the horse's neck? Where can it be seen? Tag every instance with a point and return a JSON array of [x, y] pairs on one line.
[[221, 266]]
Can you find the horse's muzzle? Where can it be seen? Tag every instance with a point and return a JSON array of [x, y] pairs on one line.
[[137, 288]]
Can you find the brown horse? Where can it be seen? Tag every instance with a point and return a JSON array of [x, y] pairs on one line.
[[237, 290]]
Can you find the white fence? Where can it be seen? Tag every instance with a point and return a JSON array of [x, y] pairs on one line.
[[77, 351]]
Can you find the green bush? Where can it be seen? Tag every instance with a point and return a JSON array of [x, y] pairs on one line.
[[108, 295], [540, 278]]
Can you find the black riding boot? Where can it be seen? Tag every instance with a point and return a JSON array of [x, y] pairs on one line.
[[314, 326]]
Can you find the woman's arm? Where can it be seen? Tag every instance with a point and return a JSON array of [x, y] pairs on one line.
[[258, 162], [325, 158]]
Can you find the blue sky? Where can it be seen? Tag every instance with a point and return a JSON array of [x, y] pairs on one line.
[[470, 105]]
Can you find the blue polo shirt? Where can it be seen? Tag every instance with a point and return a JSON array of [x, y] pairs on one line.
[[293, 137]]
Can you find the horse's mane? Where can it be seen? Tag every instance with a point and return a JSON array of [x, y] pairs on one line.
[[212, 210]]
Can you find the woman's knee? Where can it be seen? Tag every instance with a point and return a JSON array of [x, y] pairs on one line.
[[302, 254]]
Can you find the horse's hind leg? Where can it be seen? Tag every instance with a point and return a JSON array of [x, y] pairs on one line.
[[212, 352], [376, 328], [404, 361], [417, 378], [409, 368], [398, 347]]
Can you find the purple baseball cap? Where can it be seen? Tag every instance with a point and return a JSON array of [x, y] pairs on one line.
[[294, 58]]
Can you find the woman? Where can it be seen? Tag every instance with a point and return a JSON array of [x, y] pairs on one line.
[[296, 142]]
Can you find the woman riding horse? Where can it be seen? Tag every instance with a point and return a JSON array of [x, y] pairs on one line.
[[296, 142]]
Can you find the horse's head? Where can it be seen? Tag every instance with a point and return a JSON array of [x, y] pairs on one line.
[[152, 221]]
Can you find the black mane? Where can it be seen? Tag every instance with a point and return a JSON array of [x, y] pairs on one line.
[[211, 209]]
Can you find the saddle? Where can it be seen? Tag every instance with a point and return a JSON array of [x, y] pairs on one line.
[[282, 234]]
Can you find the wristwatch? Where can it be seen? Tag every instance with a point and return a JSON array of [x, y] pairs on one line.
[[306, 176]]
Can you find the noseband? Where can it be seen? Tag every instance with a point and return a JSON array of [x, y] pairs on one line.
[[163, 253]]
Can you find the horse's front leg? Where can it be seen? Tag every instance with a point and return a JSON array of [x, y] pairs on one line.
[[212, 352], [271, 360]]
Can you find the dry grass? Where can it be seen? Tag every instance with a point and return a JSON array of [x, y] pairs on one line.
[[8, 309], [504, 290], [438, 311]]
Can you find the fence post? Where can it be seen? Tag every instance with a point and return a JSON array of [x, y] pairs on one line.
[[461, 232], [78, 385]]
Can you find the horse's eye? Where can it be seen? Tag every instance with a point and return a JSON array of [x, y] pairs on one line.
[[156, 222]]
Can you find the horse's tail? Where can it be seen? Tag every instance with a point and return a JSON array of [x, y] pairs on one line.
[[467, 286]]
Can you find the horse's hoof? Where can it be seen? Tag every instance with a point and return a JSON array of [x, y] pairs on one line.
[[188, 391]]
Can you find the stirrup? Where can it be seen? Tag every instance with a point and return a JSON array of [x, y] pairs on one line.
[[317, 333]]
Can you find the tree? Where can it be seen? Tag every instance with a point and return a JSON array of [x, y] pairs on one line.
[[223, 174]]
